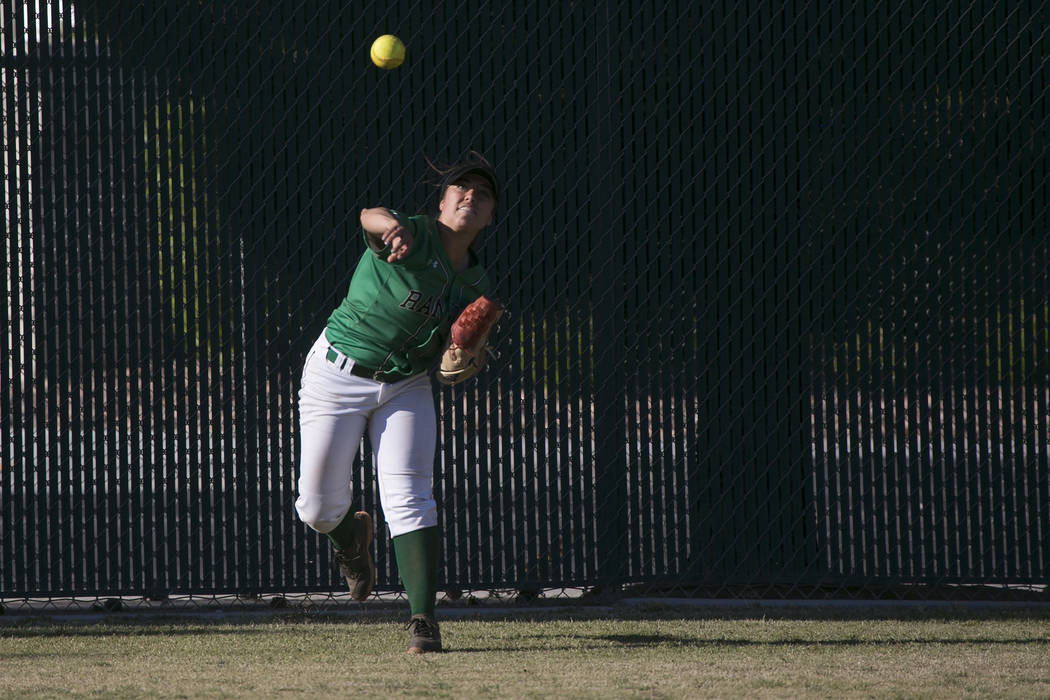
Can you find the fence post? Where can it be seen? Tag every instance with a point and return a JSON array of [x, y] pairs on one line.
[[607, 334]]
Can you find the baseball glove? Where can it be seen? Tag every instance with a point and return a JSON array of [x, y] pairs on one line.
[[465, 354]]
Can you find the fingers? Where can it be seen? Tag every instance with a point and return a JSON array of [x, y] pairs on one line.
[[399, 240]]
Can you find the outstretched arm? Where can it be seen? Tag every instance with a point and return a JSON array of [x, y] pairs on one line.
[[385, 233]]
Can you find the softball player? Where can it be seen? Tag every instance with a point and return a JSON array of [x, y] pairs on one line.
[[368, 370]]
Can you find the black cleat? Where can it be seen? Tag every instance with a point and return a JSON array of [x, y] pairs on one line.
[[355, 563], [423, 634]]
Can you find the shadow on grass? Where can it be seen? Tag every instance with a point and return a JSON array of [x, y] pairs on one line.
[[168, 624], [647, 641], [658, 611]]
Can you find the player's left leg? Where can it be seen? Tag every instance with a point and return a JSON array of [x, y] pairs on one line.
[[334, 406], [404, 434]]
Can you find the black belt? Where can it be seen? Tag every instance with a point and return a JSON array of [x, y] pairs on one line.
[[359, 370], [369, 373]]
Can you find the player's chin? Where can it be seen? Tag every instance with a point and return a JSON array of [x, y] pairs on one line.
[[463, 226], [469, 223]]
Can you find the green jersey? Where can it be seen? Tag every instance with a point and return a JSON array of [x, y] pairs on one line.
[[396, 316]]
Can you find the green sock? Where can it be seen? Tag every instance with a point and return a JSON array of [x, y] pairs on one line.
[[343, 534], [417, 554]]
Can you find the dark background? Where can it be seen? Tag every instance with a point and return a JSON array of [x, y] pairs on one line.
[[777, 276]]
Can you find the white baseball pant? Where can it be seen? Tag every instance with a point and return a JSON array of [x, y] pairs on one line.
[[335, 409]]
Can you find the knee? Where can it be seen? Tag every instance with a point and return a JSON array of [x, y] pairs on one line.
[[322, 512], [412, 514]]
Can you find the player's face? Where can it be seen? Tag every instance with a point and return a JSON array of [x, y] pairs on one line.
[[467, 204]]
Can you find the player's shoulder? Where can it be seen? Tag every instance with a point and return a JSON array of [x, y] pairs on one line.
[[423, 229], [421, 226], [415, 221]]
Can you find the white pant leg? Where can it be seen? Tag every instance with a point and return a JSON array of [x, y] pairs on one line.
[[334, 408], [403, 431]]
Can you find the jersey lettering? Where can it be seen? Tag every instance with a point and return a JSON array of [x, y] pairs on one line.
[[411, 300], [428, 306]]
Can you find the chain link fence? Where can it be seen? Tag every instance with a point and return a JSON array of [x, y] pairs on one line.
[[777, 275]]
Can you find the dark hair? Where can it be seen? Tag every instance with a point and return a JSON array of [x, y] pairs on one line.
[[472, 162]]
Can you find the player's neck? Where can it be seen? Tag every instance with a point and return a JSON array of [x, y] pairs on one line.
[[457, 246]]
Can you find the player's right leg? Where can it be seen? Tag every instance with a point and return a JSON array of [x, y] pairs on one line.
[[333, 411], [403, 432]]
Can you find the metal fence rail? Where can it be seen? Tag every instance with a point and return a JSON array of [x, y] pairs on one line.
[[777, 271]]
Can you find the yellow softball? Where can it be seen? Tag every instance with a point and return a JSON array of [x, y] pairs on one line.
[[388, 52]]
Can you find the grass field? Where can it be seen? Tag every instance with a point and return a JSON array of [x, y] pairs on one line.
[[637, 651]]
